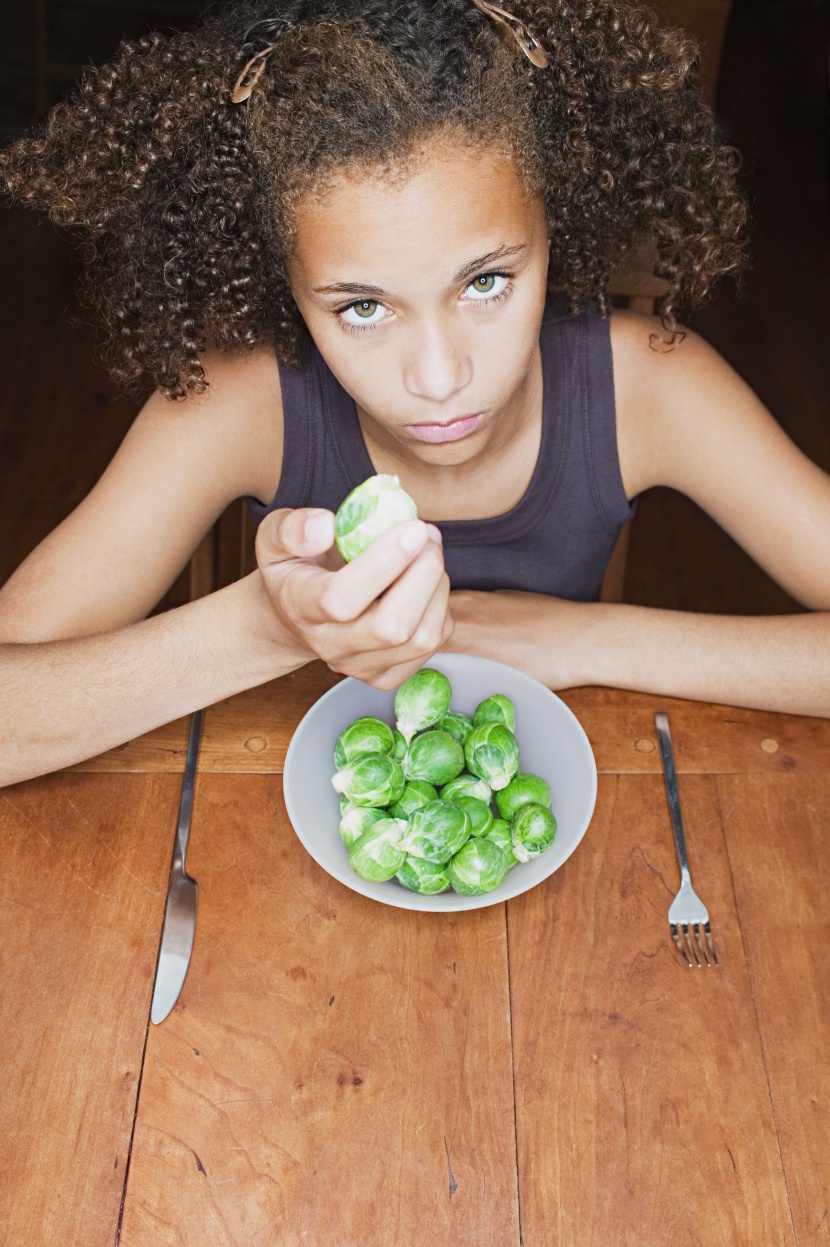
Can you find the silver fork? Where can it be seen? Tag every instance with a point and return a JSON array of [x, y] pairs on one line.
[[688, 916]]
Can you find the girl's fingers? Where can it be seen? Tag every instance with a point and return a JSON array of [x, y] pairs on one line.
[[354, 588], [412, 603]]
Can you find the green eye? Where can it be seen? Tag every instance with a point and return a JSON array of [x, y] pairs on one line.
[[366, 308], [485, 283]]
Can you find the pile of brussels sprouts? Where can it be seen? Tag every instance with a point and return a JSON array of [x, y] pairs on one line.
[[416, 799]]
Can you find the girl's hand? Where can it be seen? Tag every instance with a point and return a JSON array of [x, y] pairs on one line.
[[378, 618]]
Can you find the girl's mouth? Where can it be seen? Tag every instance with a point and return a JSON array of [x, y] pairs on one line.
[[452, 432]]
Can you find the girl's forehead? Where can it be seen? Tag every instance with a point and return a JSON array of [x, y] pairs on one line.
[[447, 198]]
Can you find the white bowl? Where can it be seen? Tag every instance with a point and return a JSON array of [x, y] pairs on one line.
[[552, 744]]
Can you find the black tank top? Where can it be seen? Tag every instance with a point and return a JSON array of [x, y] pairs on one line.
[[558, 538]]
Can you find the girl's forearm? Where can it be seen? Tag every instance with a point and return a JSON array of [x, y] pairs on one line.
[[63, 701]]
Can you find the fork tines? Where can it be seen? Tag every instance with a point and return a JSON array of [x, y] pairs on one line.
[[693, 948]]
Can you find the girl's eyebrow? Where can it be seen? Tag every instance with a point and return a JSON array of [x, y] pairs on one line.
[[362, 290]]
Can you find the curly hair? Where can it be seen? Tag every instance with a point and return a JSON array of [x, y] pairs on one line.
[[186, 199]]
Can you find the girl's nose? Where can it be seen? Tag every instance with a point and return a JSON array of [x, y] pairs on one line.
[[438, 363]]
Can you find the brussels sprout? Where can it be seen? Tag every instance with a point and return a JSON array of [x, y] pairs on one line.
[[365, 735], [496, 709], [422, 701], [478, 867], [492, 753], [434, 756], [375, 506], [422, 876], [371, 779], [466, 785], [457, 724], [532, 828], [376, 856], [355, 819], [478, 812], [398, 746], [416, 793], [522, 789], [501, 835], [436, 832]]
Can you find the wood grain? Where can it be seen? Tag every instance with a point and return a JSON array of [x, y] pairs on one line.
[[642, 1106], [336, 1071], [85, 865], [779, 851]]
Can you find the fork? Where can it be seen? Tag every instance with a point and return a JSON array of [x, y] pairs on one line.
[[688, 916]]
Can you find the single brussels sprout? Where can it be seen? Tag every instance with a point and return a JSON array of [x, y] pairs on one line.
[[422, 701], [365, 735], [370, 510], [522, 789], [532, 828], [436, 832], [416, 793], [355, 819], [466, 785], [376, 856], [457, 724], [434, 756], [478, 812], [398, 746], [501, 835], [492, 753], [495, 709], [478, 867], [371, 779], [422, 876]]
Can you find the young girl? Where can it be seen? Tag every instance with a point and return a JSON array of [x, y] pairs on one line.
[[329, 229]]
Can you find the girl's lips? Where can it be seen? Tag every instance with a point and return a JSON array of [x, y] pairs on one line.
[[444, 432]]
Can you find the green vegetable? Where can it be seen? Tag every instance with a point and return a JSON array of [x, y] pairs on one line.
[[355, 819], [436, 832], [371, 779], [399, 745], [492, 753], [416, 793], [367, 735], [500, 834], [496, 709], [478, 812], [478, 867], [422, 876], [377, 505], [422, 701], [376, 856], [533, 829], [522, 789], [457, 724], [466, 785], [434, 756]]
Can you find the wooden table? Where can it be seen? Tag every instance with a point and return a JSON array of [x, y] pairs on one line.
[[342, 1074]]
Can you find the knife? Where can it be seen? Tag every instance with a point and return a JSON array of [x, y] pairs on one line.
[[182, 895]]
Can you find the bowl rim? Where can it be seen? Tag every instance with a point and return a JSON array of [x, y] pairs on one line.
[[401, 898]]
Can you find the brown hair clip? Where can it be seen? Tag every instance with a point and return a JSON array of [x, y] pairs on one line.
[[526, 40]]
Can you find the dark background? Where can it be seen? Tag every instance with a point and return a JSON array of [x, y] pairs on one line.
[[61, 419]]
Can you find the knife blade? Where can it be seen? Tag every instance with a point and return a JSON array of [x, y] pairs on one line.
[[179, 928]]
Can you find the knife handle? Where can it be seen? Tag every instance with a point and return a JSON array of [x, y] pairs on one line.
[[188, 785]]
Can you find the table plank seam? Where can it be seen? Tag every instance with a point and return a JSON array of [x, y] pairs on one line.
[[513, 1069]]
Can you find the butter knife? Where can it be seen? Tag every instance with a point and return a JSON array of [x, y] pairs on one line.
[[182, 895]]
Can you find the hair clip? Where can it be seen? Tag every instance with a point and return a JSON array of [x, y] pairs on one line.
[[527, 41], [250, 76]]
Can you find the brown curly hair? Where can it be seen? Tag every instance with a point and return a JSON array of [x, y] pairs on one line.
[[186, 199]]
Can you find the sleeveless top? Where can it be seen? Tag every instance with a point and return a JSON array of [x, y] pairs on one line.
[[558, 538]]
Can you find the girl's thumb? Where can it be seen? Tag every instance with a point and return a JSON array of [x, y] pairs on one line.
[[287, 534]]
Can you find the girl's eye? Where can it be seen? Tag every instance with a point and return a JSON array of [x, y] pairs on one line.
[[487, 286], [362, 314]]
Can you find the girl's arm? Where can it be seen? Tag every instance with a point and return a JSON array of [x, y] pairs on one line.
[[82, 670], [686, 420]]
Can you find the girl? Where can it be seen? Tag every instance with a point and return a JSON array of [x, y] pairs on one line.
[[329, 230]]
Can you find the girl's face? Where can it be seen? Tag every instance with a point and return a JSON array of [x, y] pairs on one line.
[[425, 296]]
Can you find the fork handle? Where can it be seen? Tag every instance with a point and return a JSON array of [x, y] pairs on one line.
[[661, 722]]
